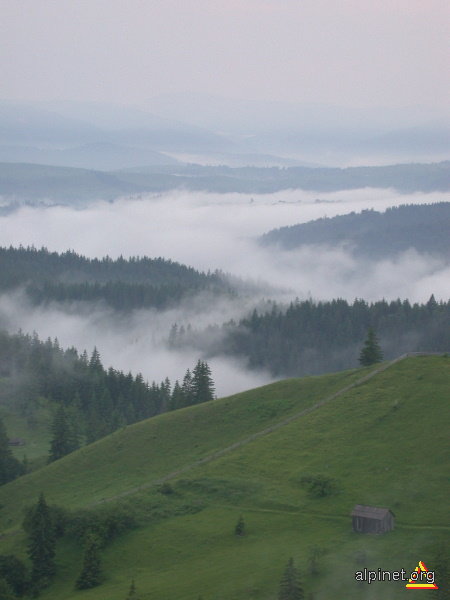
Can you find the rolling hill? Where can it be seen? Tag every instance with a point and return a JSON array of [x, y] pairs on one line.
[[371, 234], [34, 183], [184, 478]]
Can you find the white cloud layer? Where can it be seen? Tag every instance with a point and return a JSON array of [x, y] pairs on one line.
[[208, 231]]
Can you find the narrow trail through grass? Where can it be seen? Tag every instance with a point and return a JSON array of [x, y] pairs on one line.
[[220, 453]]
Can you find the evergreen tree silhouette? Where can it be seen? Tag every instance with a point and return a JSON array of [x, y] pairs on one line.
[[90, 575], [371, 352], [290, 588], [41, 544]]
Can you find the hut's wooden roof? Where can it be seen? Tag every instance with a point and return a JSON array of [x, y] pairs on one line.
[[370, 512]]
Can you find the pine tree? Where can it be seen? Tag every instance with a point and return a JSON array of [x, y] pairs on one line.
[[132, 594], [90, 575], [371, 352], [41, 544], [202, 383], [186, 388], [165, 395], [176, 400], [64, 439], [10, 467], [95, 363], [240, 527], [314, 554], [290, 588]]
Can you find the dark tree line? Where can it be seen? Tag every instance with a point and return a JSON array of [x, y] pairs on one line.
[[123, 284], [89, 400], [372, 234], [309, 337]]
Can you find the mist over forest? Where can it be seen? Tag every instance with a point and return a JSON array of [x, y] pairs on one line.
[[263, 212], [224, 299], [128, 308]]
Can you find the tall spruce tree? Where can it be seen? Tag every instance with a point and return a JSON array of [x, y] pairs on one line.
[[10, 467], [41, 544], [64, 438], [371, 352], [187, 389], [290, 588], [202, 383], [176, 399], [91, 574]]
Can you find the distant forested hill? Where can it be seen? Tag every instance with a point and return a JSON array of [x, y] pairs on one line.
[[372, 234], [309, 338], [38, 183], [124, 284]]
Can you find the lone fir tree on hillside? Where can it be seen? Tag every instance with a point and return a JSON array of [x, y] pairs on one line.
[[41, 544], [90, 575], [371, 352], [290, 588]]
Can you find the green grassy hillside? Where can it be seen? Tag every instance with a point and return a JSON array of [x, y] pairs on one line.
[[383, 442], [32, 428]]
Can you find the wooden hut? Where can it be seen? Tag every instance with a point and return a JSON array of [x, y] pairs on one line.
[[370, 519], [16, 442]]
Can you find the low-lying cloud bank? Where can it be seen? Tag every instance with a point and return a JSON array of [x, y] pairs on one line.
[[136, 342], [208, 231]]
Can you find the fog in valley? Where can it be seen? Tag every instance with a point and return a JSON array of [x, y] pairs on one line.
[[208, 232]]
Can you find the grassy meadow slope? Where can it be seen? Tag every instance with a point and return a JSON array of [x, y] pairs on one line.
[[33, 428], [384, 443], [140, 453]]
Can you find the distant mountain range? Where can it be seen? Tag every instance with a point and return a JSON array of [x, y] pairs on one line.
[[104, 137], [35, 183]]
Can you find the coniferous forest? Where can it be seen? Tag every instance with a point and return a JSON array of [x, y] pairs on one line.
[[88, 400], [123, 284], [309, 337], [224, 300], [371, 234]]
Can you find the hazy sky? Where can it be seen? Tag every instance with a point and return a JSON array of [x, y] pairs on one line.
[[350, 52]]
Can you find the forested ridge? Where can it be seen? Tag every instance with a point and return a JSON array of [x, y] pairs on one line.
[[424, 227], [124, 284], [309, 337]]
